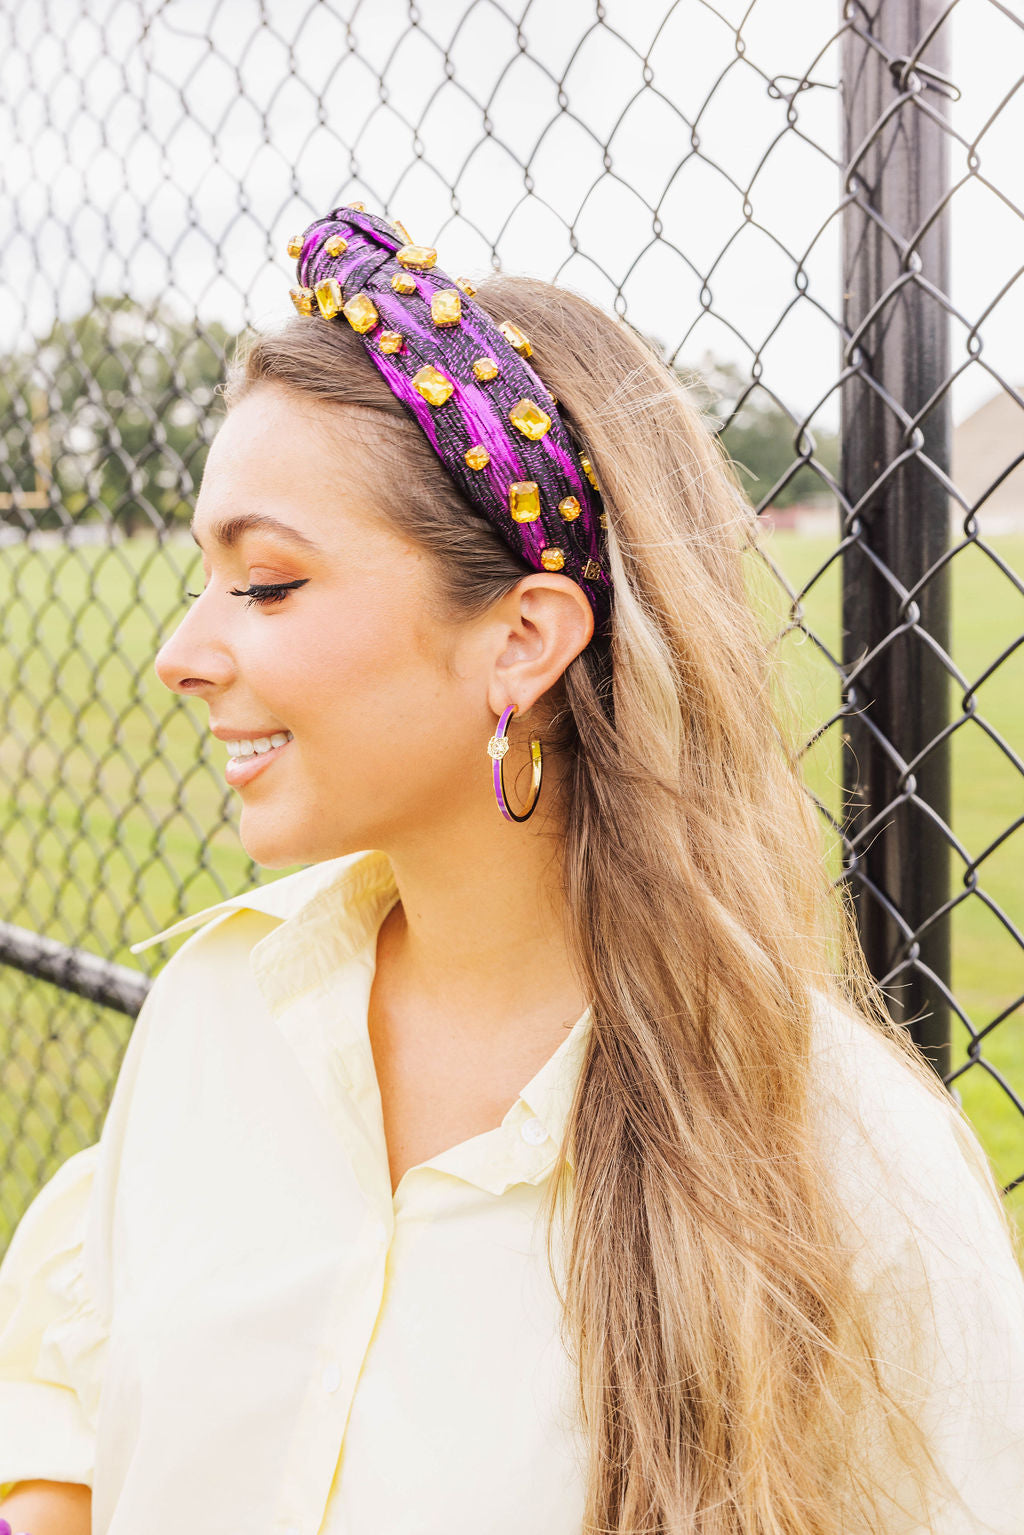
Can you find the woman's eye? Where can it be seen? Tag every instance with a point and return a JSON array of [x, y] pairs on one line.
[[274, 592]]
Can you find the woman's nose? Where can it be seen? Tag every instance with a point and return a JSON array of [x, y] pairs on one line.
[[191, 659]]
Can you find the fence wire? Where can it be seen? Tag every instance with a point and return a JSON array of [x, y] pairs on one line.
[[771, 192]]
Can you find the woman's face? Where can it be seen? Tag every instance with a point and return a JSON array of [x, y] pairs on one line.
[[384, 732]]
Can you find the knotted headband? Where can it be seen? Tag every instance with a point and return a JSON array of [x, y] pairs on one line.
[[467, 383]]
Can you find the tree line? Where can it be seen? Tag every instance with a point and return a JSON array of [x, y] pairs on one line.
[[113, 412]]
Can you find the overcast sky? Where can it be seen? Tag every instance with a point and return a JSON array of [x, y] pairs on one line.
[[173, 147]]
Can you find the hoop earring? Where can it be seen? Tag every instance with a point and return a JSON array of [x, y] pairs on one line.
[[497, 747]]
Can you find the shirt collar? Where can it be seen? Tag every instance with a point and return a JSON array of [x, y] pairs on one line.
[[338, 905], [284, 898]]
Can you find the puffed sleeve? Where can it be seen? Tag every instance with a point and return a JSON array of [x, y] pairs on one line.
[[937, 1260], [52, 1337]]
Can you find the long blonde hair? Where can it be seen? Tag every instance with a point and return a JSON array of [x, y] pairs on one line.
[[721, 1342]]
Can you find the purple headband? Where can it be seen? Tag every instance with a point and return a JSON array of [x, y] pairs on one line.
[[466, 381]]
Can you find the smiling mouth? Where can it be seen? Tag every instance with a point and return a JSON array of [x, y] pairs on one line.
[[239, 770], [241, 750]]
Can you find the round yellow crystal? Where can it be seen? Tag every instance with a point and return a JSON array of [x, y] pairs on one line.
[[485, 368], [295, 246], [391, 340], [420, 257], [552, 559], [432, 385], [588, 470], [403, 283], [529, 419], [477, 457], [335, 246], [569, 508], [524, 500], [361, 313]]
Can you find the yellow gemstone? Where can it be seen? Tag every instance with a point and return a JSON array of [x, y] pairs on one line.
[[588, 470], [432, 385], [603, 519], [403, 283], [400, 229], [335, 246], [552, 559], [391, 340], [569, 508], [466, 286], [477, 457], [591, 570], [446, 306], [420, 257], [485, 368], [295, 246], [524, 500], [302, 298], [359, 207], [516, 338], [529, 419], [328, 296], [361, 313]]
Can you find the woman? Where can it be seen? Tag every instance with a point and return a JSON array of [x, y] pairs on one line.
[[554, 1165]]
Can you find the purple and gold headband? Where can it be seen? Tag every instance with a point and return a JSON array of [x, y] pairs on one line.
[[467, 383]]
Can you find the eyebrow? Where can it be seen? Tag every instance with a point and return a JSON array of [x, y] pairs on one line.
[[231, 529]]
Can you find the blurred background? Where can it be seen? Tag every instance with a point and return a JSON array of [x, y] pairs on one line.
[[812, 209]]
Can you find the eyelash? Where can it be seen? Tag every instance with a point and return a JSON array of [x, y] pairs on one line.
[[261, 594]]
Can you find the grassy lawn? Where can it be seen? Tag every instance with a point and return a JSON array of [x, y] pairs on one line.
[[116, 818]]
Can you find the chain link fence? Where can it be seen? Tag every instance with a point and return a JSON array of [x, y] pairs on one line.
[[814, 211]]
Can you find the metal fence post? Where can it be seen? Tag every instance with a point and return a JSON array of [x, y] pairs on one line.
[[896, 441]]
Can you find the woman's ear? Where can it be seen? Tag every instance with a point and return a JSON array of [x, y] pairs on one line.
[[546, 621]]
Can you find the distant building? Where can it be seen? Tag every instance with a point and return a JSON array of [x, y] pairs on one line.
[[984, 445]]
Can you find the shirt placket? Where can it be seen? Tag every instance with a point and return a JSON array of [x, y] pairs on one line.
[[325, 1027]]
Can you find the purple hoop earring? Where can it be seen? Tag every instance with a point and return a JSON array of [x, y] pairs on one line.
[[497, 746]]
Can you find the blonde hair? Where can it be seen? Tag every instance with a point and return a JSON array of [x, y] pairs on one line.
[[725, 1356]]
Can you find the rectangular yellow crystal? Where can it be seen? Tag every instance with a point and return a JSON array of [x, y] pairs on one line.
[[361, 313], [420, 257], [328, 296], [524, 500], [295, 246], [335, 246], [516, 338], [403, 283], [302, 298], [432, 385], [391, 340], [446, 306], [485, 368], [529, 419]]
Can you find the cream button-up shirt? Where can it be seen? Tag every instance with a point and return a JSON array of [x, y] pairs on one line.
[[219, 1318]]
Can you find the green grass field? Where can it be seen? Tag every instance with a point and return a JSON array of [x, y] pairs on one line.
[[114, 799]]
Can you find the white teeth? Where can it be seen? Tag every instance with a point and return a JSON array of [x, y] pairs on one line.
[[260, 744]]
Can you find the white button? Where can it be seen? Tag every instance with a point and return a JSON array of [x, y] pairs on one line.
[[533, 1132], [331, 1378]]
